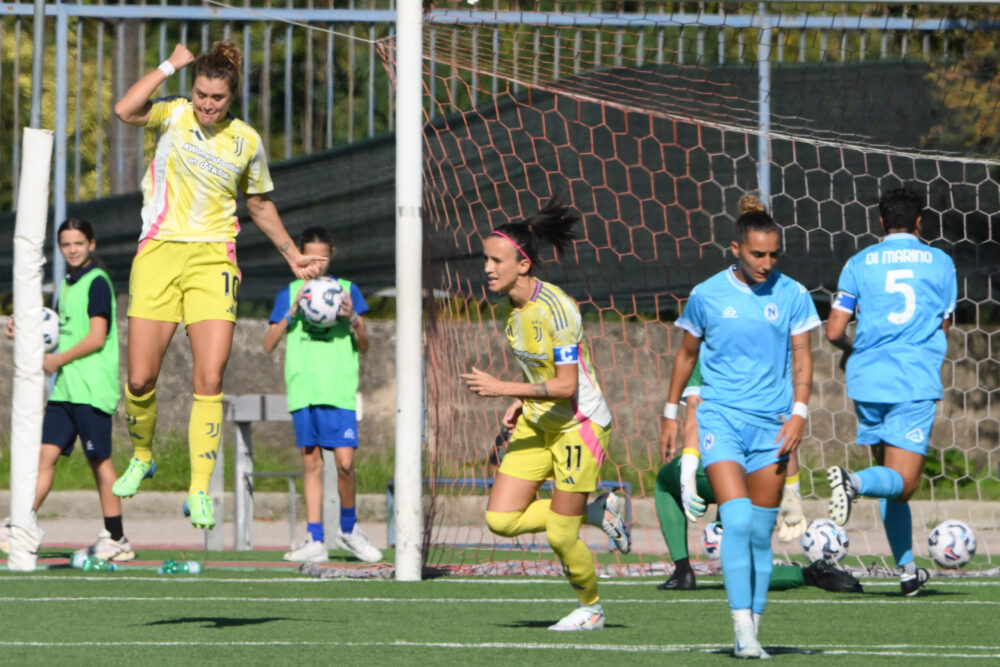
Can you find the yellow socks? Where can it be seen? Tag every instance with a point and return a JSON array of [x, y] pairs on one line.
[[510, 524], [140, 415], [204, 436], [563, 533]]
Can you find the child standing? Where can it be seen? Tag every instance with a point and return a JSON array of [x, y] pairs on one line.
[[87, 387], [321, 377]]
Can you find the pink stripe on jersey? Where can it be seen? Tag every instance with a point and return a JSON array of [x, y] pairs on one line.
[[166, 201], [590, 439], [587, 433], [231, 254], [538, 289], [586, 374]]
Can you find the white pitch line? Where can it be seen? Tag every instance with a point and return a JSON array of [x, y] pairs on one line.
[[910, 650], [297, 579], [392, 600], [652, 580]]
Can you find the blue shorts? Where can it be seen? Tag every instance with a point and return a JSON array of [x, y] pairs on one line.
[[905, 425], [733, 435], [65, 421], [326, 426]]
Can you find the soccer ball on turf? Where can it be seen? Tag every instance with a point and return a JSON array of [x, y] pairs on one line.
[[319, 301], [711, 541], [50, 329], [952, 543], [824, 539]]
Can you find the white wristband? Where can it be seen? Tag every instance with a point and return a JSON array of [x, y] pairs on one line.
[[167, 69], [800, 409], [670, 411]]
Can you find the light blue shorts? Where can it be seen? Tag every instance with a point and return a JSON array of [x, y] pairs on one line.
[[733, 435], [905, 425], [326, 426]]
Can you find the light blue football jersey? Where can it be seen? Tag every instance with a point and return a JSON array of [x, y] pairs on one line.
[[902, 290], [746, 339]]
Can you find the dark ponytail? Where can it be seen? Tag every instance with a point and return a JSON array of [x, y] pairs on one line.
[[553, 224]]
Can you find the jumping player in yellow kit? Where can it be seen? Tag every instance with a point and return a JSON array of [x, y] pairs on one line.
[[185, 268], [559, 420]]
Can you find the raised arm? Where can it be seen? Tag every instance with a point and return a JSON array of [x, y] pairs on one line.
[[134, 106]]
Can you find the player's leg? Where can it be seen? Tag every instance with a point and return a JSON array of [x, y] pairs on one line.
[[95, 434], [111, 542], [351, 535], [563, 533], [723, 456], [153, 313], [307, 433], [896, 518], [574, 462], [147, 344], [47, 459], [785, 577], [822, 574], [512, 508], [765, 486], [728, 478], [59, 434], [875, 481], [211, 343], [673, 526], [608, 510], [208, 284], [312, 487], [907, 426]]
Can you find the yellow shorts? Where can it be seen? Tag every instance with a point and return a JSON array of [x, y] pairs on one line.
[[173, 281], [573, 458]]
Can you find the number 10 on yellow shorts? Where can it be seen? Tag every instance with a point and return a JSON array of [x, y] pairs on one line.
[[173, 281]]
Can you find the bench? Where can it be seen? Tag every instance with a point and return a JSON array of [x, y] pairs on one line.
[[244, 411]]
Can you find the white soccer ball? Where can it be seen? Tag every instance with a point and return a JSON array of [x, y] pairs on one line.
[[711, 541], [319, 301], [952, 543], [50, 329], [824, 539]]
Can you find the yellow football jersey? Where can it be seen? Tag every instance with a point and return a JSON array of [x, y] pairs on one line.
[[544, 333], [189, 191]]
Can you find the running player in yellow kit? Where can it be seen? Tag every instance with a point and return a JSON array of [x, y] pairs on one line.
[[560, 422], [185, 268]]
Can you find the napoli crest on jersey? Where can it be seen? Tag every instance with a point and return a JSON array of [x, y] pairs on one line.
[[707, 443], [771, 311]]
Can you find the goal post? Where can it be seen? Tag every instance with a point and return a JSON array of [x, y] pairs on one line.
[[652, 126], [409, 295], [28, 400]]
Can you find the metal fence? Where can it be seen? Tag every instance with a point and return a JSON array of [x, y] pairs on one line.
[[312, 79]]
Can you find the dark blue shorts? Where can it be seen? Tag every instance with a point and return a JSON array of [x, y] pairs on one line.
[[65, 421], [326, 426]]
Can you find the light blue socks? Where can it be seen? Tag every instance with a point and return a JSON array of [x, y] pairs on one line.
[[761, 553], [878, 482], [737, 570]]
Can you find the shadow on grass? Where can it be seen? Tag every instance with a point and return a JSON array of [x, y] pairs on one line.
[[218, 622], [546, 624]]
